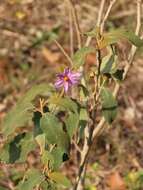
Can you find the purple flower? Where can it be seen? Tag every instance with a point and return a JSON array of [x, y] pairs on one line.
[[67, 79]]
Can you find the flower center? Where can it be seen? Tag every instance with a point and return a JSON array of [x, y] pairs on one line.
[[66, 78]]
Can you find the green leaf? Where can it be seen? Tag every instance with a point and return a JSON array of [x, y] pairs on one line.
[[47, 159], [134, 39], [83, 92], [64, 103], [83, 118], [94, 32], [83, 114], [41, 140], [109, 105], [119, 34], [80, 56], [53, 158], [27, 144], [72, 123], [58, 155], [17, 150], [32, 178], [60, 179], [68, 104], [52, 127], [108, 64], [16, 175], [22, 112], [48, 185], [134, 180]]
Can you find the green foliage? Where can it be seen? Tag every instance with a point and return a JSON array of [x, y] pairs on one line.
[[109, 66], [109, 105], [94, 32], [119, 34], [58, 155], [114, 36], [60, 179], [83, 119], [53, 131], [109, 63], [47, 159], [18, 149], [72, 123], [32, 178], [134, 180], [48, 185], [91, 187], [22, 112], [80, 56], [64, 103], [41, 140]]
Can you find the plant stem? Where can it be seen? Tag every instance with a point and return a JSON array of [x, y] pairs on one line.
[[91, 132]]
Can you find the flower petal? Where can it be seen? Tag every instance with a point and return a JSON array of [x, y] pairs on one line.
[[59, 83], [66, 71], [67, 79], [75, 77], [66, 86]]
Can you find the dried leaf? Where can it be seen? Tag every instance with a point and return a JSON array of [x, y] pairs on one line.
[[115, 182]]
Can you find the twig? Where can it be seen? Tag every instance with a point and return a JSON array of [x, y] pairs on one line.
[[71, 33], [98, 21], [76, 23], [64, 52], [100, 12], [84, 154], [138, 27], [106, 15], [123, 14], [76, 146]]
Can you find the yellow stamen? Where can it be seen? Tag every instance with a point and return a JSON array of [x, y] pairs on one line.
[[66, 78]]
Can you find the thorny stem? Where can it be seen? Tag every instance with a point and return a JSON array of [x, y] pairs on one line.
[[90, 132]]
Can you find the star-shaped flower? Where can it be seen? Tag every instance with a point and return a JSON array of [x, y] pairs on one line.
[[67, 79]]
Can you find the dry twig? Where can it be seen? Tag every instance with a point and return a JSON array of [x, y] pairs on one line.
[[76, 23], [64, 52]]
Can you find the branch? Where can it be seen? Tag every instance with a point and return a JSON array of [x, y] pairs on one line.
[[107, 14], [63, 51], [91, 134], [71, 33], [76, 23], [98, 21], [132, 53]]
